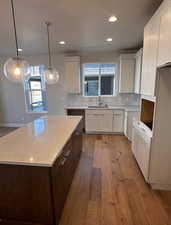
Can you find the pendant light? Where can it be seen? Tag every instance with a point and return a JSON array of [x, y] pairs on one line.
[[51, 74], [16, 68]]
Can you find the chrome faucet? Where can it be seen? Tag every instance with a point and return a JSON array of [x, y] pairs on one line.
[[100, 102]]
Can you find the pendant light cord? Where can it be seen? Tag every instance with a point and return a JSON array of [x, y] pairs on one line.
[[15, 30], [49, 52]]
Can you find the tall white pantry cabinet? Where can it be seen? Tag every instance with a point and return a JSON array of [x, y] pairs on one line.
[[152, 146], [157, 47]]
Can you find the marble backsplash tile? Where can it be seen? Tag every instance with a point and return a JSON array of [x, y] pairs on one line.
[[119, 100]]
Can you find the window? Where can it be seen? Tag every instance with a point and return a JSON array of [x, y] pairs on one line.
[[99, 79], [35, 90]]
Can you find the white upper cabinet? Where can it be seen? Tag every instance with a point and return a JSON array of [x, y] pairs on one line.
[[72, 74], [150, 54], [127, 73], [164, 56], [138, 71]]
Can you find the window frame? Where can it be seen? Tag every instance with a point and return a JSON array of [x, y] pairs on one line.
[[26, 90], [99, 78]]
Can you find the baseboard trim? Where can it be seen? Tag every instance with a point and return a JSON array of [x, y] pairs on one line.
[[166, 187], [12, 124]]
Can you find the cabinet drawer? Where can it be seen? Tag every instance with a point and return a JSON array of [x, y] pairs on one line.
[[118, 112], [98, 112]]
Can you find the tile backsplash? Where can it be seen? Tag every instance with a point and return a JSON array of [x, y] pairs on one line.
[[119, 100]]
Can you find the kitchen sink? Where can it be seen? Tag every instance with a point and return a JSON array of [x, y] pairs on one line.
[[98, 106]]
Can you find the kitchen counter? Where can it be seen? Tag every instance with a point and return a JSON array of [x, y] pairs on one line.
[[126, 108], [37, 165], [39, 143]]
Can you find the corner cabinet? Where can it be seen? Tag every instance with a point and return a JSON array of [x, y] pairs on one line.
[[127, 73], [72, 74]]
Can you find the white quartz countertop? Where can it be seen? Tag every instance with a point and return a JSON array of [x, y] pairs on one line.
[[126, 108], [38, 143]]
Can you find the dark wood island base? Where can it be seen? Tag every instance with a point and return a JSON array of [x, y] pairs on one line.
[[35, 195]]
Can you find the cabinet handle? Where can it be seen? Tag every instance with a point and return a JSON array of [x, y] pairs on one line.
[[77, 133], [98, 114], [62, 161], [67, 153]]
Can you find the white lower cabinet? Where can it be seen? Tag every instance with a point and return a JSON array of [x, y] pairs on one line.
[[141, 144], [118, 121], [99, 121], [130, 116]]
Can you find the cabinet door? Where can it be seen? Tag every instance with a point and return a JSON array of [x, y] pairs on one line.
[[135, 141], [141, 150], [77, 142], [92, 123], [138, 71], [118, 121], [105, 122], [131, 116], [62, 173], [72, 74], [127, 75], [150, 54], [165, 35], [99, 120]]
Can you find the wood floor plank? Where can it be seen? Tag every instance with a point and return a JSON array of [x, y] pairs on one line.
[[93, 216], [95, 185]]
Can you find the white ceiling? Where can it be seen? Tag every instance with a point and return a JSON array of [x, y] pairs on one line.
[[83, 24]]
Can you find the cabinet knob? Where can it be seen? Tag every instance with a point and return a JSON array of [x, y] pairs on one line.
[[62, 161], [67, 153]]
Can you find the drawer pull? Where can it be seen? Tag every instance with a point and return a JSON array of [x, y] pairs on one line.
[[67, 153], [62, 162], [77, 133]]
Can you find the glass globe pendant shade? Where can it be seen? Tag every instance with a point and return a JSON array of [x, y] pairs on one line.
[[51, 76], [15, 69]]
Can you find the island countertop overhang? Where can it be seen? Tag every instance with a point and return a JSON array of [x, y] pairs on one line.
[[39, 143]]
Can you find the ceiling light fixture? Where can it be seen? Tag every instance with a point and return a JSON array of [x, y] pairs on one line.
[[109, 39], [113, 19], [51, 75], [16, 68], [62, 42]]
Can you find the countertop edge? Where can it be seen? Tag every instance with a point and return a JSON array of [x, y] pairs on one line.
[[47, 165], [125, 108]]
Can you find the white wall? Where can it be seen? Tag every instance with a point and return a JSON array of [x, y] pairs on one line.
[[12, 100]]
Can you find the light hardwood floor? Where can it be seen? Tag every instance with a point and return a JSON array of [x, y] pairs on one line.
[[109, 189]]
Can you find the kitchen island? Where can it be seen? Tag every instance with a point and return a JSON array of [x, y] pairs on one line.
[[37, 164]]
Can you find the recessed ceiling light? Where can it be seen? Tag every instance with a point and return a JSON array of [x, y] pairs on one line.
[[109, 39], [62, 42], [20, 49], [113, 19]]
